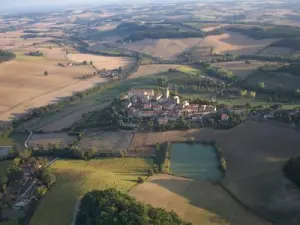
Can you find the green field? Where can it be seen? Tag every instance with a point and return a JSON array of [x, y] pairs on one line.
[[11, 222], [195, 161], [189, 70], [3, 167], [75, 178], [14, 138]]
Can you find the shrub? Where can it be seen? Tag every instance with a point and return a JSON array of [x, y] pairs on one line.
[[140, 180]]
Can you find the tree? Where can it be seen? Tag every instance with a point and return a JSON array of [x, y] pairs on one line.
[[14, 173], [46, 73], [40, 191], [243, 93], [261, 85], [111, 207], [252, 94], [46, 177]]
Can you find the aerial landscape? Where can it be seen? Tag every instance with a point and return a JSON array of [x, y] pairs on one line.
[[150, 113]]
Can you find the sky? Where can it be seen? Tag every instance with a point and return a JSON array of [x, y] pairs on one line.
[[43, 4]]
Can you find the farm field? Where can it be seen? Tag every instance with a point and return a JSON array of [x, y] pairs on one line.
[[24, 76], [101, 62], [281, 51], [75, 178], [273, 80], [235, 43], [44, 139], [195, 161], [157, 48], [196, 201], [255, 160], [112, 142], [148, 70], [242, 69]]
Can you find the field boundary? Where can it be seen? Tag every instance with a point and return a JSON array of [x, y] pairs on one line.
[[248, 208]]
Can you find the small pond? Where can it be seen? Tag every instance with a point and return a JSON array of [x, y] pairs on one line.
[[195, 161]]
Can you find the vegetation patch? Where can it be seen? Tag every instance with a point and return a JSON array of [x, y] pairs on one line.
[[75, 178], [96, 206]]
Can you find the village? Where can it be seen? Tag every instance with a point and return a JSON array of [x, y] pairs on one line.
[[161, 107]]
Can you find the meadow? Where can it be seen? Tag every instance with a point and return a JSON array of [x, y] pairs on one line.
[[75, 178]]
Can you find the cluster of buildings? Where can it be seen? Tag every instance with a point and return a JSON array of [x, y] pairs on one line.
[[148, 104]]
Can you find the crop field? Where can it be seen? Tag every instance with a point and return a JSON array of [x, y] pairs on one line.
[[235, 43], [241, 68], [75, 178], [195, 201], [149, 70], [101, 62], [24, 76], [112, 142], [63, 139], [158, 48], [273, 81]]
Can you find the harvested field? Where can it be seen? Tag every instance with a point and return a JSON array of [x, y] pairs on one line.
[[66, 121], [44, 139], [149, 70], [242, 69], [235, 43], [279, 51], [256, 153], [195, 201], [101, 62], [113, 142], [163, 48], [24, 77], [77, 177]]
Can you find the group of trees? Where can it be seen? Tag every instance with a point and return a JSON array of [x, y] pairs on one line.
[[217, 72], [245, 93], [111, 207], [6, 56]]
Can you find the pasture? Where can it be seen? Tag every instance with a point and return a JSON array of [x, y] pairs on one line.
[[43, 139], [101, 62], [196, 201], [242, 68], [235, 43], [75, 178], [106, 142]]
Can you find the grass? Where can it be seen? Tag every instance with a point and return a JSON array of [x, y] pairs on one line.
[[15, 138], [11, 222], [3, 167], [195, 161], [188, 70], [75, 178]]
